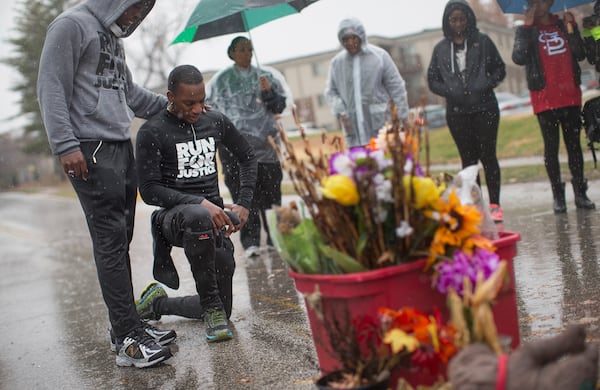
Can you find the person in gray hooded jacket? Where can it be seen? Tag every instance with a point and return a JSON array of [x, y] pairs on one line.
[[362, 111], [87, 100]]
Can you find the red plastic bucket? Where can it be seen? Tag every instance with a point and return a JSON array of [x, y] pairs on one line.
[[363, 293]]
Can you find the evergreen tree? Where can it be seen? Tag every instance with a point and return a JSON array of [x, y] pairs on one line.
[[27, 39]]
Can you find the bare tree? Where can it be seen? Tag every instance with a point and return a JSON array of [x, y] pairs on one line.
[[27, 40], [150, 51]]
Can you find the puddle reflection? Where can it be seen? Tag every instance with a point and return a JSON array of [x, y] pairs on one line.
[[557, 272]]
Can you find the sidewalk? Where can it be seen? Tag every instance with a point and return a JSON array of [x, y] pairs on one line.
[[516, 161]]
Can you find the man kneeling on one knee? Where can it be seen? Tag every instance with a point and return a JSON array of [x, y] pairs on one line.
[[177, 170]]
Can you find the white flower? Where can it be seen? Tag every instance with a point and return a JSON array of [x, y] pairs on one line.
[[408, 166], [383, 189], [404, 230]]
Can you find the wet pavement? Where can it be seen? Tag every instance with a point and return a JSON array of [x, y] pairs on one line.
[[55, 323]]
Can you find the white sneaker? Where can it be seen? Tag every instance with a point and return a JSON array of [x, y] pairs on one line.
[[252, 251]]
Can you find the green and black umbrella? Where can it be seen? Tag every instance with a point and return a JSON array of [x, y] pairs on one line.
[[212, 18]]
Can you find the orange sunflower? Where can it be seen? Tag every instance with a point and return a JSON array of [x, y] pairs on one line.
[[458, 226]]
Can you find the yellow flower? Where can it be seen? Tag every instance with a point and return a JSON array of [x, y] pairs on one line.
[[341, 189], [458, 225], [433, 333], [399, 340], [426, 192]]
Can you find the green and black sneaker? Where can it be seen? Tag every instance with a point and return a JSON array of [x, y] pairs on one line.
[[217, 325], [145, 305]]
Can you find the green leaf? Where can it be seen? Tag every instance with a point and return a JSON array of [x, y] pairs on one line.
[[298, 247], [278, 242], [346, 263]]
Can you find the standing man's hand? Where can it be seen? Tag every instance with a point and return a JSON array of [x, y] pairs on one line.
[[74, 164], [241, 212]]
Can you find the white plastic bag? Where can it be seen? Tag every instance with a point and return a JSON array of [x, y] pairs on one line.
[[465, 183]]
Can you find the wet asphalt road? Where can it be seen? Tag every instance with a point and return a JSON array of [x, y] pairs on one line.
[[55, 323]]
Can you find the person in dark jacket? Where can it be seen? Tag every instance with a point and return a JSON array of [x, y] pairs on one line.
[[465, 68], [177, 168], [87, 101], [550, 49]]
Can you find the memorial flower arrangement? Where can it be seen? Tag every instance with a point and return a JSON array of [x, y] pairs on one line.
[[371, 207], [377, 206]]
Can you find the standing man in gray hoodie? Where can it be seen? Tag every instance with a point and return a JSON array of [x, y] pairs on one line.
[[362, 79], [88, 99]]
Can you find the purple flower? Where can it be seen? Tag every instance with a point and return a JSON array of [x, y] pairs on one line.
[[358, 153], [451, 273], [410, 164], [419, 170], [339, 162]]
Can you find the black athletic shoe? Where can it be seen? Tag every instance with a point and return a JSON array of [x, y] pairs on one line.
[[163, 337], [140, 350]]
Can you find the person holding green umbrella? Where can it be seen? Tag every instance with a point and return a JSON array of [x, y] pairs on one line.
[[252, 98]]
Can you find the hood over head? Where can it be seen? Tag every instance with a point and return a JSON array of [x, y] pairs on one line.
[[352, 26], [108, 11], [452, 5]]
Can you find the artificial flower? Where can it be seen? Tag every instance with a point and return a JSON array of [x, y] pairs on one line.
[[457, 225], [426, 192], [400, 340], [404, 230], [341, 189], [341, 163], [408, 330]]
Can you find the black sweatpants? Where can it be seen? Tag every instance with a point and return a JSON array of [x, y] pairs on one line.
[[189, 226], [189, 306], [475, 136], [108, 199]]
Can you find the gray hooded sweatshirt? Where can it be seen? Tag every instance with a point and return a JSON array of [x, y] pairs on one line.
[[85, 89], [380, 81]]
